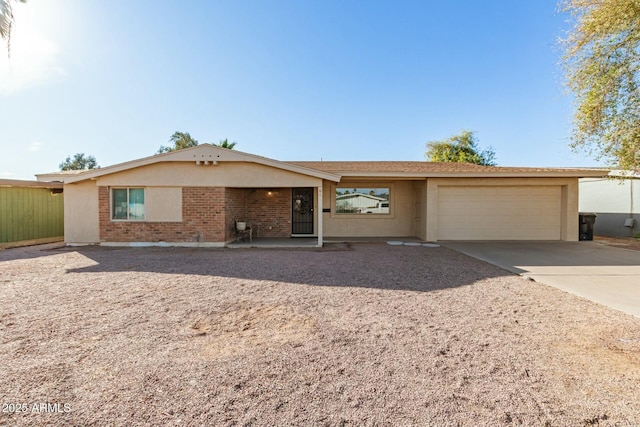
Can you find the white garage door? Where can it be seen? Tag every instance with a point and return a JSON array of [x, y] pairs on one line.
[[499, 213]]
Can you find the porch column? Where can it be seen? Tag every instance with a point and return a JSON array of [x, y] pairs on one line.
[[320, 215]]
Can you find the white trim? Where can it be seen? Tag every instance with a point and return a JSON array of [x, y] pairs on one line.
[[319, 214]]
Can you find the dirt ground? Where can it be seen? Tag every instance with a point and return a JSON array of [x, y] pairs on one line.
[[367, 334], [620, 242]]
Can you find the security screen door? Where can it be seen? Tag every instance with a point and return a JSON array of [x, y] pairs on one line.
[[302, 211]]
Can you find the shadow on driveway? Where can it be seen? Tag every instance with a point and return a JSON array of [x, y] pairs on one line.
[[600, 273]]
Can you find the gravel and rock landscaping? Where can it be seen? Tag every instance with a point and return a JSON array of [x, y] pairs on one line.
[[363, 334]]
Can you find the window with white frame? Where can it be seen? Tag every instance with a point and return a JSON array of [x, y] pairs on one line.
[[127, 204]]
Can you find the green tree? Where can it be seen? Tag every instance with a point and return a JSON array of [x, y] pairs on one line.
[[226, 144], [79, 162], [6, 21], [602, 66], [460, 148], [179, 140]]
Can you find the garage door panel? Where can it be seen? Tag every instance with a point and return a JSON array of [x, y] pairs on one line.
[[455, 193], [499, 213]]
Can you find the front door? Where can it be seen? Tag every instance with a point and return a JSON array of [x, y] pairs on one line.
[[302, 211]]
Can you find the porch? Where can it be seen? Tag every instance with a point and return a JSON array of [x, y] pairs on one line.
[[276, 216]]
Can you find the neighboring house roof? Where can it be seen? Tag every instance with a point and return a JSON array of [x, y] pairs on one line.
[[617, 173], [32, 184], [207, 153], [354, 195], [442, 169]]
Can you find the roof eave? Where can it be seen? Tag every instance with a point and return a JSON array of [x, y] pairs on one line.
[[186, 155], [57, 177], [423, 175], [32, 184]]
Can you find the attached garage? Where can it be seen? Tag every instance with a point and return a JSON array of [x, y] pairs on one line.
[[500, 213], [503, 206]]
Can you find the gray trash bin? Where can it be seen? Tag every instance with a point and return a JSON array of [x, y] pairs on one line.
[[586, 223]]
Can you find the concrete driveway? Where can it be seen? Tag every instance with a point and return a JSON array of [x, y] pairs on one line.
[[600, 273]]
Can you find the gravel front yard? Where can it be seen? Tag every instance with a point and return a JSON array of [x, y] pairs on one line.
[[367, 334]]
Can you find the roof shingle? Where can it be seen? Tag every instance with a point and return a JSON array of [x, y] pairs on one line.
[[423, 167]]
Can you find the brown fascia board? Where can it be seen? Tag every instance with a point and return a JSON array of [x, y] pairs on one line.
[[532, 174]]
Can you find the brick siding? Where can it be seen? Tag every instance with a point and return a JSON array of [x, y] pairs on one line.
[[203, 220], [236, 209], [270, 214], [208, 215]]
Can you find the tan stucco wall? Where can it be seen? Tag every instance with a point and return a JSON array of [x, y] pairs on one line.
[[570, 220], [569, 202], [226, 174], [399, 223], [163, 204], [81, 223], [420, 209]]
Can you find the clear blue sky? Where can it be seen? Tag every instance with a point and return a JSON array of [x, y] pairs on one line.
[[290, 80]]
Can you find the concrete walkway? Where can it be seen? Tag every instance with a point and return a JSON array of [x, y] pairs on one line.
[[272, 242], [600, 273]]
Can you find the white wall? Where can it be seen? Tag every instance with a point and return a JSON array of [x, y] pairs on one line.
[[613, 201], [609, 195]]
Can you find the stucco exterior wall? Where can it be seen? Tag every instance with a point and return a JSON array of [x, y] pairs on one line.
[[420, 209], [398, 223], [81, 225], [163, 204], [226, 174]]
